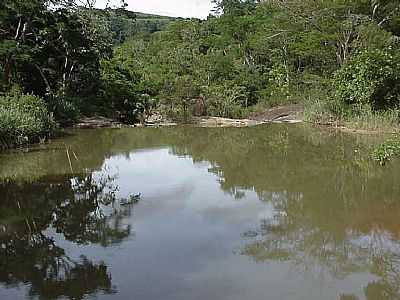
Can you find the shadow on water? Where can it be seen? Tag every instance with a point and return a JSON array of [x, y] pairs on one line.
[[83, 208], [334, 210]]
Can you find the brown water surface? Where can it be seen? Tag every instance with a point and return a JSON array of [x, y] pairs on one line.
[[269, 212]]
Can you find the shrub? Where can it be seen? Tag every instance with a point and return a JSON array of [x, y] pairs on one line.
[[23, 119], [370, 78], [386, 151], [279, 82], [226, 100]]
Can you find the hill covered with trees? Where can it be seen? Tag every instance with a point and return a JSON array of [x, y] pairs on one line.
[[340, 58]]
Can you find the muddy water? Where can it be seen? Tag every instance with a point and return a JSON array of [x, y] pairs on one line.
[[271, 212]]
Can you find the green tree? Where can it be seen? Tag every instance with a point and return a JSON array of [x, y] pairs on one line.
[[370, 78]]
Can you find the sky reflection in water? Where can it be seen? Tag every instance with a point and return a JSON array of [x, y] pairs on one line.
[[258, 213]]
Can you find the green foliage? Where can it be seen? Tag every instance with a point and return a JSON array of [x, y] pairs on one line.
[[65, 109], [226, 100], [258, 54], [120, 90], [370, 78], [53, 51], [279, 81], [321, 108], [125, 25], [46, 50], [23, 119], [234, 7], [250, 54], [386, 151]]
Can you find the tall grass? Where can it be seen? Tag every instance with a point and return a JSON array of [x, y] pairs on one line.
[[328, 110], [366, 118]]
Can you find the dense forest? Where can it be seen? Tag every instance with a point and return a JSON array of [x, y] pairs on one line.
[[61, 59]]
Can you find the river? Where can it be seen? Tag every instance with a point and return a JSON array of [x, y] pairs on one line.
[[280, 212]]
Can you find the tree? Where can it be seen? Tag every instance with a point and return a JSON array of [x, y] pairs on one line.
[[52, 51], [234, 7], [370, 78]]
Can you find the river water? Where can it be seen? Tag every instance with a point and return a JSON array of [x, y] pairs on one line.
[[271, 212]]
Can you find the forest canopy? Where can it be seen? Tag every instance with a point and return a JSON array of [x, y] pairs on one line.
[[340, 58]]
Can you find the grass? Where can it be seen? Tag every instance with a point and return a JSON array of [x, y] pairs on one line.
[[328, 111], [385, 121]]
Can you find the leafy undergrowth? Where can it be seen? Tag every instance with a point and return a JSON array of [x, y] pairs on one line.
[[387, 151], [23, 119]]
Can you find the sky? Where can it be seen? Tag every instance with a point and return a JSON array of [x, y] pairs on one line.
[[175, 8]]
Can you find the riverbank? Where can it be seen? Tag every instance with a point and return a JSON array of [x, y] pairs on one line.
[[279, 114], [289, 114]]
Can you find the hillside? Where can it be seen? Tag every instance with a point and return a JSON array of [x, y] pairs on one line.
[[126, 24]]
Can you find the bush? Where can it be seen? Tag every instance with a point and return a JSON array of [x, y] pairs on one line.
[[226, 101], [370, 78], [386, 151], [23, 119]]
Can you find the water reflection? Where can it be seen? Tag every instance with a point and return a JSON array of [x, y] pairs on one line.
[[336, 245], [83, 209], [323, 207]]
